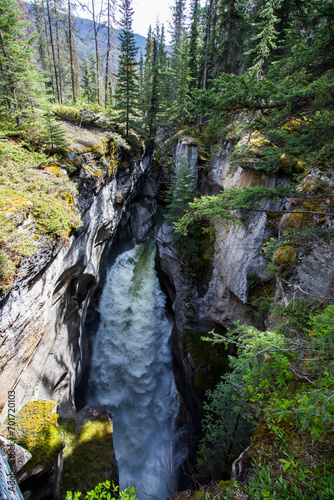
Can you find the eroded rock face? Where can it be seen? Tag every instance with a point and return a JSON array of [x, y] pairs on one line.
[[217, 297], [186, 150], [42, 319]]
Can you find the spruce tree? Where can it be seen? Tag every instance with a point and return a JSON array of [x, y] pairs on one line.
[[127, 80], [89, 78], [194, 43], [54, 135], [19, 85], [165, 80], [182, 81], [180, 192]]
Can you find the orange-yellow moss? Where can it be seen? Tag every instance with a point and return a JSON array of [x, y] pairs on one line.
[[34, 423], [285, 256], [55, 170]]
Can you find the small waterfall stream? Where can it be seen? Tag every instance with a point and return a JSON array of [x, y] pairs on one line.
[[132, 374]]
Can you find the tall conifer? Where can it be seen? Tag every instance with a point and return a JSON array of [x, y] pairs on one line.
[[19, 86], [127, 81]]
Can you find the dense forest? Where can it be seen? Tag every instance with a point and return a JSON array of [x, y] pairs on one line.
[[258, 69]]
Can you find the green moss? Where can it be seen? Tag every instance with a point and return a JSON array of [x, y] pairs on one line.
[[87, 454], [210, 360], [285, 256], [275, 446], [36, 430], [36, 198], [216, 491]]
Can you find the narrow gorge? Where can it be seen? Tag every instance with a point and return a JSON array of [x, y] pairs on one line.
[[106, 331]]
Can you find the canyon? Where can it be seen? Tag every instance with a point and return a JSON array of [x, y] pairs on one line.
[[49, 317]]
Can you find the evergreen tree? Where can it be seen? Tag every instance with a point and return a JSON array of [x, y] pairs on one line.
[[180, 192], [89, 78], [165, 80], [147, 76], [54, 135], [177, 25], [266, 35], [127, 80], [194, 43], [228, 43], [182, 81], [19, 85], [152, 79]]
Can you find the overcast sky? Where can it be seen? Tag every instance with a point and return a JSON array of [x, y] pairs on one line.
[[146, 13]]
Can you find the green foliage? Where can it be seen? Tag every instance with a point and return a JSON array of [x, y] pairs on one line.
[[126, 93], [20, 87], [85, 114], [222, 206], [36, 198], [102, 491], [89, 78], [295, 481], [284, 380], [180, 192], [274, 373], [227, 433], [54, 135]]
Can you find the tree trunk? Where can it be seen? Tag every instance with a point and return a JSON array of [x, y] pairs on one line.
[[108, 56], [154, 96], [71, 50], [96, 53], [11, 82], [206, 61], [48, 53], [53, 50], [58, 54]]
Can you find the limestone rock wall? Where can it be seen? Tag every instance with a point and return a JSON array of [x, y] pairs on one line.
[[220, 296], [42, 319]]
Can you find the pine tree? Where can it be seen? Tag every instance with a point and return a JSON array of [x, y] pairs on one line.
[[165, 80], [194, 43], [89, 78], [54, 135], [71, 50], [127, 80], [182, 81], [147, 76], [266, 35], [180, 192], [19, 85], [110, 33], [151, 81]]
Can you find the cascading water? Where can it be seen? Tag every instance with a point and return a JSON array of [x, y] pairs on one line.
[[132, 374]]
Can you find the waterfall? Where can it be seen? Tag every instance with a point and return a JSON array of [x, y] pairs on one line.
[[132, 374]]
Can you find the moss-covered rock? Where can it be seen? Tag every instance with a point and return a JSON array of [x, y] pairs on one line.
[[282, 454], [285, 256], [89, 457], [36, 430], [216, 491], [210, 360]]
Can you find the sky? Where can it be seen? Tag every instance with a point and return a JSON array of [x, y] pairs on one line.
[[146, 13]]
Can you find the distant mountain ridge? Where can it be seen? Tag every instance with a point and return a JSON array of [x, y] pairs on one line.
[[84, 36]]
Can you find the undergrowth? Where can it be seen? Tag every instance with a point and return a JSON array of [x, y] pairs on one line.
[[36, 199]]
